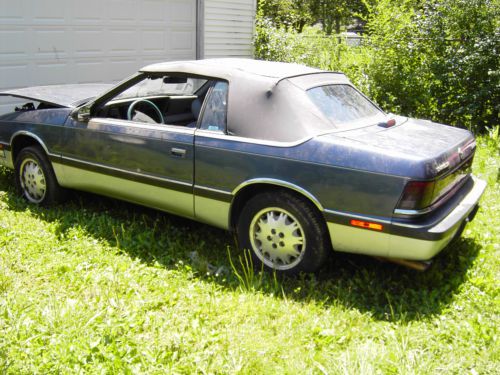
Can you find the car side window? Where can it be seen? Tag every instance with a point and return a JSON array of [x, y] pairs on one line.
[[215, 112], [157, 99]]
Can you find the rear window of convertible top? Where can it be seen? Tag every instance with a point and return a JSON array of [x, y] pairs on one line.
[[342, 104]]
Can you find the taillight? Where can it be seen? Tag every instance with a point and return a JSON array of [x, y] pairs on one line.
[[417, 195]]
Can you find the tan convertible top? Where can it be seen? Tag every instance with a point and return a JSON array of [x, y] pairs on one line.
[[267, 100], [228, 68]]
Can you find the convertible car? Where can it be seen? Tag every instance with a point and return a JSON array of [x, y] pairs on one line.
[[294, 160]]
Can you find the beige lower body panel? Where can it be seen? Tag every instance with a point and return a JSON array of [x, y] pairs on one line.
[[212, 211], [176, 202], [209, 211], [360, 241], [363, 241]]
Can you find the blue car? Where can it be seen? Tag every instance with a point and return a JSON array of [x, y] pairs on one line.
[[295, 161]]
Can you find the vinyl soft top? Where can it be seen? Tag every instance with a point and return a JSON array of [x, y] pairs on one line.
[[232, 68], [267, 100]]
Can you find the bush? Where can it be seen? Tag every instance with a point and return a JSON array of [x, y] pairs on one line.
[[461, 40], [312, 47], [397, 70], [437, 61]]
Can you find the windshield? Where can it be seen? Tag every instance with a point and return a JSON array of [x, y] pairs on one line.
[[163, 86], [342, 104]]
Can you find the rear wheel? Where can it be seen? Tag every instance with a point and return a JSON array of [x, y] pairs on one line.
[[35, 179], [284, 232]]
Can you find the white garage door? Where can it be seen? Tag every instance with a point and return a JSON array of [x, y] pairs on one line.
[[82, 41]]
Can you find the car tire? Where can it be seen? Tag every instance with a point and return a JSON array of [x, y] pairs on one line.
[[35, 178], [284, 233]]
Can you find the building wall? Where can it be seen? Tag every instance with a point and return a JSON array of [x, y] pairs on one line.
[[75, 41], [228, 28], [87, 41]]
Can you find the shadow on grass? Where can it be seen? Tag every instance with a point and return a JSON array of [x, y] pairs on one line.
[[386, 291]]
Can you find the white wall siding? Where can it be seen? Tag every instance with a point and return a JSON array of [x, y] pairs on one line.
[[82, 41], [86, 41], [228, 28], [74, 41]]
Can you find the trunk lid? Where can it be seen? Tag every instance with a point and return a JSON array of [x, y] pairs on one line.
[[443, 148]]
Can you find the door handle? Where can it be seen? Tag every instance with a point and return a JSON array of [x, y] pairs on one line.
[[178, 152]]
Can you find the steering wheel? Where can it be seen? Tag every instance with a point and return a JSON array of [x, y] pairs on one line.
[[133, 104]]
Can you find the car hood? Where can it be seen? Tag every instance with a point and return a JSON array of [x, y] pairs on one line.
[[69, 96]]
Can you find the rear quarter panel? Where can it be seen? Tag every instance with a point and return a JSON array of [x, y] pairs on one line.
[[224, 164]]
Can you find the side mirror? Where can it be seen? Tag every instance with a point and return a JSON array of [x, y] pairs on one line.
[[82, 114]]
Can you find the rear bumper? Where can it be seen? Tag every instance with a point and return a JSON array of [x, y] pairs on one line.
[[406, 240]]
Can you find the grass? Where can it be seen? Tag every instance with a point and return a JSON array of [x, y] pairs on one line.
[[101, 286]]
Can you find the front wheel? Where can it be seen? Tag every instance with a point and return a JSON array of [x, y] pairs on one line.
[[284, 232], [35, 179]]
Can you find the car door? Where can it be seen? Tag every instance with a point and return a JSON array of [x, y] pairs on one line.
[[146, 163]]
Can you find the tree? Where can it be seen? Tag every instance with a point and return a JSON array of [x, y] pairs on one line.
[[291, 14], [462, 41], [335, 13], [437, 59], [295, 14]]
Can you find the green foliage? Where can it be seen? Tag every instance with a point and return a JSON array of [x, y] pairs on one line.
[[100, 286], [431, 59], [438, 60], [290, 14], [336, 13], [294, 14], [461, 40], [313, 48], [398, 72]]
